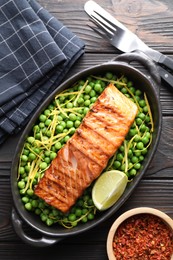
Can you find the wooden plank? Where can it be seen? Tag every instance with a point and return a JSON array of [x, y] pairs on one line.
[[59, 251], [151, 20]]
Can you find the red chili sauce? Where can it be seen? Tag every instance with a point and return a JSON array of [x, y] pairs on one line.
[[143, 237]]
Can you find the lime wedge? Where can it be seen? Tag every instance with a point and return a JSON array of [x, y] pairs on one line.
[[108, 188]]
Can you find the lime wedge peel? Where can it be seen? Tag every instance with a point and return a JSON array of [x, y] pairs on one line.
[[108, 188]]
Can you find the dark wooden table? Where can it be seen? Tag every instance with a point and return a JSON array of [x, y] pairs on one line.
[[152, 20]]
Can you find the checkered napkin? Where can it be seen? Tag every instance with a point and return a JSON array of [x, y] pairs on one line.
[[36, 52]]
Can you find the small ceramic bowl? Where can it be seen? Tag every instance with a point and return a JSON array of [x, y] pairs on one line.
[[133, 213]]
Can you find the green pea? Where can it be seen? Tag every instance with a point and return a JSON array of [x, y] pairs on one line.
[[48, 122], [122, 167], [145, 140], [38, 136], [86, 97], [84, 219], [142, 128], [34, 203], [117, 164], [21, 184], [98, 87], [137, 138], [72, 116], [144, 151], [80, 101], [88, 88], [87, 103], [93, 99], [31, 139], [69, 105], [59, 128], [49, 221], [47, 153], [28, 206], [137, 153], [30, 192], [42, 118], [43, 165], [130, 153], [24, 158], [36, 129], [124, 91], [119, 157], [21, 170], [47, 160], [27, 168], [25, 199], [36, 150], [46, 211], [41, 205], [139, 121], [69, 124], [84, 211], [133, 132], [53, 155], [132, 172], [78, 212], [37, 211], [43, 217], [77, 123], [72, 130], [145, 109], [142, 103], [137, 166], [92, 93], [55, 212], [31, 156], [47, 112], [41, 125], [72, 217], [138, 92], [86, 109], [90, 216], [141, 158], [80, 203], [140, 146], [141, 116], [66, 138], [26, 152], [109, 75], [58, 145], [134, 159]]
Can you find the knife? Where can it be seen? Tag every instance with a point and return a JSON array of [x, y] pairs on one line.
[[162, 60]]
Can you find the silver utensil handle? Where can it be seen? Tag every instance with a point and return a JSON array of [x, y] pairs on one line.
[[166, 61], [166, 76]]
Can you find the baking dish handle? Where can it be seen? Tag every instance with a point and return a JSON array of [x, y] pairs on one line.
[[40, 242], [153, 72]]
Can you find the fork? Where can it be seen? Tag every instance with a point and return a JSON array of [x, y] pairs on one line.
[[123, 39], [126, 41]]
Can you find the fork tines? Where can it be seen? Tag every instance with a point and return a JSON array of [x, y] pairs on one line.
[[107, 27]]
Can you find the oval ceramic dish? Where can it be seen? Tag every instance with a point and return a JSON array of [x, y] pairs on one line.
[[149, 84], [130, 213]]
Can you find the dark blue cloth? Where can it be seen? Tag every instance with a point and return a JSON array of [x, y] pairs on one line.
[[36, 52]]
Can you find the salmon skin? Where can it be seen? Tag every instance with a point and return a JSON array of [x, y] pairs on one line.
[[83, 158]]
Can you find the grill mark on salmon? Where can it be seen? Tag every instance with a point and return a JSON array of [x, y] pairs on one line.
[[107, 147], [82, 159]]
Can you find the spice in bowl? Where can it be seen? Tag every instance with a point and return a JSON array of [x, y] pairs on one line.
[[143, 236]]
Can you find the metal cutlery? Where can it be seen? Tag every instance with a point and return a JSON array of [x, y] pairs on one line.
[[125, 40]]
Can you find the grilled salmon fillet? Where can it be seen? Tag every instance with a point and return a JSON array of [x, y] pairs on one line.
[[82, 159]]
